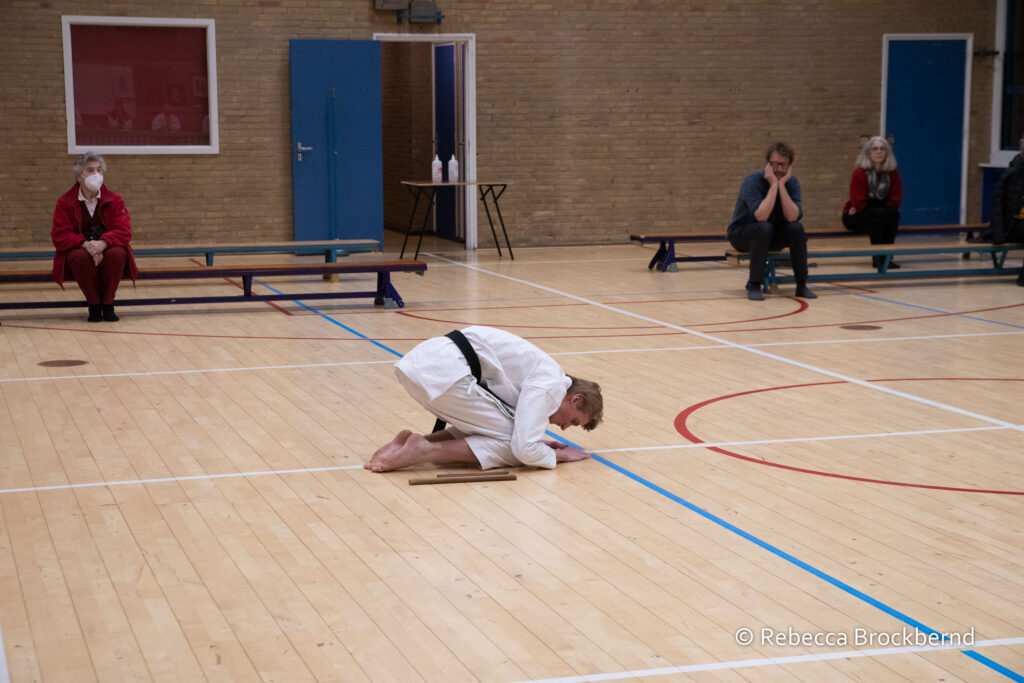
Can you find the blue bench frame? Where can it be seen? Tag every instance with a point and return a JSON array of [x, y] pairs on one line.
[[384, 294], [331, 249], [665, 258], [996, 252]]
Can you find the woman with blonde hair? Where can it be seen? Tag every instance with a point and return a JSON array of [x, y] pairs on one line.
[[876, 192]]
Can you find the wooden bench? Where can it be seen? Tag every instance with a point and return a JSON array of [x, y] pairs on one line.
[[665, 258], [331, 249], [995, 252], [384, 294]]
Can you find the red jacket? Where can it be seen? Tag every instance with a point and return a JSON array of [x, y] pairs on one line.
[[67, 229], [859, 191]]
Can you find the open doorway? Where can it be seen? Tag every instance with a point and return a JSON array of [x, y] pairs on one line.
[[411, 89]]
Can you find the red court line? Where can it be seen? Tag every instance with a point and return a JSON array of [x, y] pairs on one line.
[[866, 322], [682, 427], [801, 307]]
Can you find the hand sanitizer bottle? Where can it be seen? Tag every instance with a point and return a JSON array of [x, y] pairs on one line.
[[453, 170], [435, 170]]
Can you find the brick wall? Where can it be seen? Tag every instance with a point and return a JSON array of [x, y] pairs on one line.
[[407, 126], [607, 116]]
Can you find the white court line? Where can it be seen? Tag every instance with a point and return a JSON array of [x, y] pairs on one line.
[[751, 349], [557, 353], [193, 477], [305, 470], [809, 439], [196, 372], [773, 661], [925, 337], [569, 261]]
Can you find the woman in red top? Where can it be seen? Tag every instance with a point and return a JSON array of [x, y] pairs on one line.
[[91, 232], [875, 195]]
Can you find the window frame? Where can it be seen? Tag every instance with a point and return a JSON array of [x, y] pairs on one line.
[[67, 21]]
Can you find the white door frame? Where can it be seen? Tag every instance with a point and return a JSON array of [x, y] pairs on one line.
[[468, 112], [968, 39], [999, 157]]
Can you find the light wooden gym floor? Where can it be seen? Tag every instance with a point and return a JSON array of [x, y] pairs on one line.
[[835, 479]]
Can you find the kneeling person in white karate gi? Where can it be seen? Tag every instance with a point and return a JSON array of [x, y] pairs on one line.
[[499, 421]]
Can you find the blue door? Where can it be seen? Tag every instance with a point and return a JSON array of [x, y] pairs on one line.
[[924, 119], [445, 134], [337, 177]]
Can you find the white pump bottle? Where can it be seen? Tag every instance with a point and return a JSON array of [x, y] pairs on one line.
[[435, 170], [453, 170]]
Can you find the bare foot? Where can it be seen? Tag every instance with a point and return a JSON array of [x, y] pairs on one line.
[[389, 449], [413, 451]]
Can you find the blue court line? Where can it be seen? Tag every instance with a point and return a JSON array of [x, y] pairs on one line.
[[995, 666], [937, 310], [332, 320]]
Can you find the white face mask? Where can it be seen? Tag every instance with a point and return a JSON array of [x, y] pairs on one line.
[[94, 182]]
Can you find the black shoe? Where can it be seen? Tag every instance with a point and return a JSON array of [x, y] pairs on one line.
[[804, 293], [893, 265], [95, 313], [755, 294], [1020, 281], [108, 313]]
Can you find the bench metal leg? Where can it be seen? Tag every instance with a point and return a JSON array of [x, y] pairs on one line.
[[658, 256], [387, 295], [247, 285], [668, 263]]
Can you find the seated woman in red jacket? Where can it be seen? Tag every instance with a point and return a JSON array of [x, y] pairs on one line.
[[875, 195], [91, 232]]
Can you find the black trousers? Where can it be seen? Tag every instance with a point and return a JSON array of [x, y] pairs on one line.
[[759, 238], [878, 221]]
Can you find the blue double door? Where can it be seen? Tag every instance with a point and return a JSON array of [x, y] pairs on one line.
[[337, 165], [926, 121]]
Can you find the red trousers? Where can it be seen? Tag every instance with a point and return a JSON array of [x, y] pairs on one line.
[[98, 283]]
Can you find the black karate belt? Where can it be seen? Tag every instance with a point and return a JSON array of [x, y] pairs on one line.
[[471, 358]]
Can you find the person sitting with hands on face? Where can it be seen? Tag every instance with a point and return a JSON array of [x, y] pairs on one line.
[[767, 218]]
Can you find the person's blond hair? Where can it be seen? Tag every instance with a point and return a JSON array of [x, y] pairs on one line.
[[592, 404]]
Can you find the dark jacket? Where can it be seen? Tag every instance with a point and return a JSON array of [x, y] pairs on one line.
[[1007, 202], [67, 233]]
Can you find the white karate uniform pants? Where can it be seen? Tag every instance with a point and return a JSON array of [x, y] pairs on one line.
[[472, 414]]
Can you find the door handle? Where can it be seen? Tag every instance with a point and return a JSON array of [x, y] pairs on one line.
[[300, 149]]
